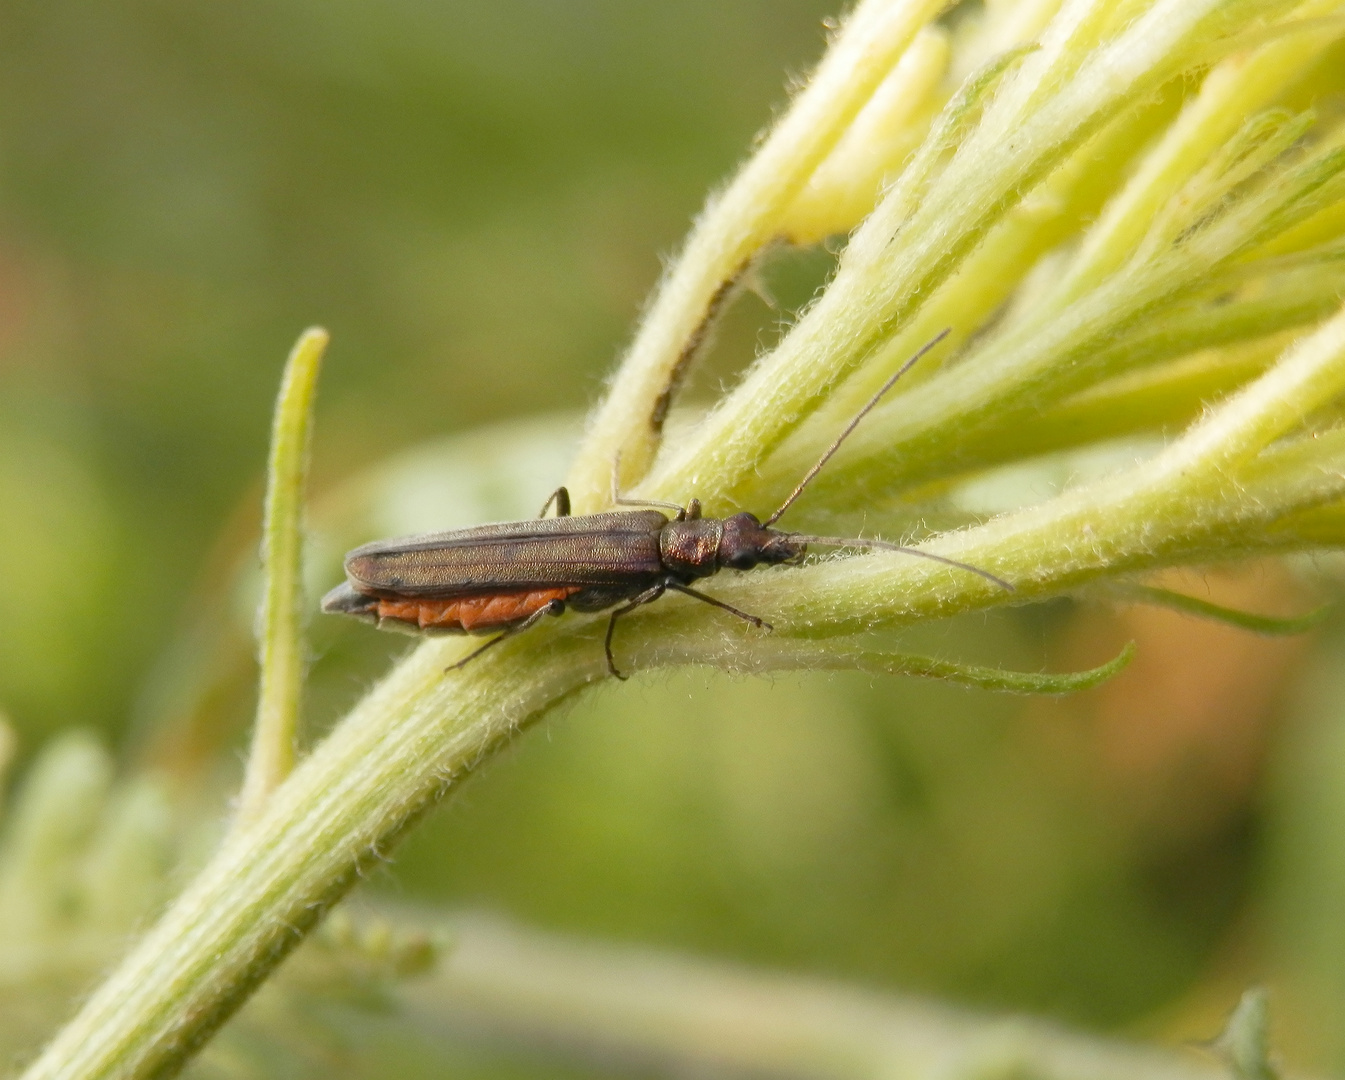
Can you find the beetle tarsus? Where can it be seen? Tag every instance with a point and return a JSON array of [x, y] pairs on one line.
[[760, 624]]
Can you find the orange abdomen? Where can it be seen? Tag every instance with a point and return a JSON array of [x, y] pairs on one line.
[[489, 611]]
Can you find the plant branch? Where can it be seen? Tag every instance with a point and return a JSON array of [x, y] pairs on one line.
[[403, 748]]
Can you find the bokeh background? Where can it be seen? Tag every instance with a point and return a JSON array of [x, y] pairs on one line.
[[474, 199]]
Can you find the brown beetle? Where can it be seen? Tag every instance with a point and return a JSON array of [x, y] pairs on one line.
[[508, 576]]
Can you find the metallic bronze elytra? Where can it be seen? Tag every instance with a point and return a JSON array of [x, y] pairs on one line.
[[508, 576]]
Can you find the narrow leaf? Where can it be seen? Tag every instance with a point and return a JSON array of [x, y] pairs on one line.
[[280, 622], [1004, 681], [786, 655], [1244, 620]]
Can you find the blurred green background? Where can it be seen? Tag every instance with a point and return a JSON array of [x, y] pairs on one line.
[[474, 199]]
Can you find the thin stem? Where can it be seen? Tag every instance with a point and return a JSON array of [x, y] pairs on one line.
[[881, 285], [742, 219], [280, 622], [1311, 374], [336, 817], [849, 182], [1235, 89], [878, 658]]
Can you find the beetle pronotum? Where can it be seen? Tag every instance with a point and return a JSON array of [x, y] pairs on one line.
[[508, 576]]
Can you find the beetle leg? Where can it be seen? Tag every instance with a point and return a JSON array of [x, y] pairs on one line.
[[681, 510], [555, 607], [561, 497], [760, 624], [648, 596], [617, 500]]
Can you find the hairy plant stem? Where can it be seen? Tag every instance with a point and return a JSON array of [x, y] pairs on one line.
[[334, 819], [420, 730]]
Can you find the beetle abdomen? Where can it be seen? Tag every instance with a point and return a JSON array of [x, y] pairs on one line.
[[489, 611]]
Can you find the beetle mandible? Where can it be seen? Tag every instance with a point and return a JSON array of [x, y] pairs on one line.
[[506, 577]]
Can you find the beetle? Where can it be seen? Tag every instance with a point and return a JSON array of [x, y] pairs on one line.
[[507, 577]]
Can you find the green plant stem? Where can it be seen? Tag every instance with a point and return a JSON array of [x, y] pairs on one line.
[[280, 624], [406, 744], [1003, 396], [336, 816]]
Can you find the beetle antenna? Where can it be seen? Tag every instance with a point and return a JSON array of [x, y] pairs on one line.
[[860, 542], [855, 423]]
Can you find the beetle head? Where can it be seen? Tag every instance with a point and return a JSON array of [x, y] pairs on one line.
[[746, 543]]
